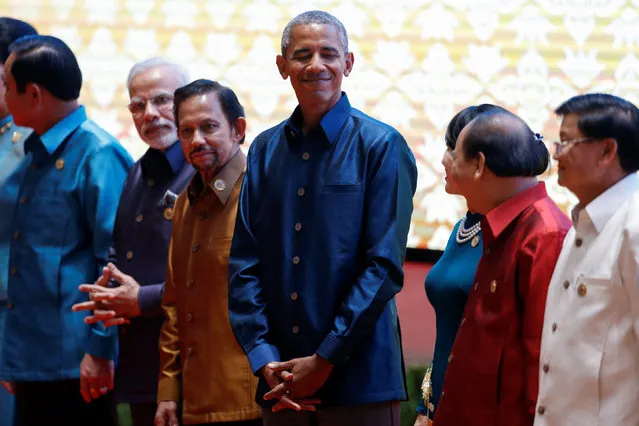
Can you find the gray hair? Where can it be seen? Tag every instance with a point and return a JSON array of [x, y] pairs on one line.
[[147, 64], [317, 17]]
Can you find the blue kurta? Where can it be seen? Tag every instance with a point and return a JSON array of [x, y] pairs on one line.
[[141, 237], [11, 169], [447, 286]]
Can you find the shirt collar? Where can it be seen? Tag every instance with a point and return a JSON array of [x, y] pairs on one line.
[[501, 216], [331, 123], [5, 120], [154, 161], [223, 183], [52, 138], [175, 156], [601, 209]]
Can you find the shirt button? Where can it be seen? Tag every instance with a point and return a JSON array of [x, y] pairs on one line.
[[487, 251], [579, 242], [541, 410], [195, 248], [139, 218], [16, 235], [14, 271], [306, 156], [190, 283], [442, 396], [294, 295], [546, 368], [150, 182], [582, 290], [301, 192], [450, 358], [201, 215], [9, 305], [476, 286], [554, 327], [189, 317], [296, 329], [129, 255], [566, 284], [296, 260], [298, 226], [189, 351], [23, 200]]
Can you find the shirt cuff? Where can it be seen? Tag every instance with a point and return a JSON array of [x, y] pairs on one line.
[[262, 355], [169, 389], [335, 349], [103, 343], [150, 299]]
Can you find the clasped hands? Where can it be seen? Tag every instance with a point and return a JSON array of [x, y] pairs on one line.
[[111, 306], [294, 382]]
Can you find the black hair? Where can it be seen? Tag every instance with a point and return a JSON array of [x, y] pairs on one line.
[[602, 116], [11, 30], [231, 106], [462, 118], [47, 61], [510, 147]]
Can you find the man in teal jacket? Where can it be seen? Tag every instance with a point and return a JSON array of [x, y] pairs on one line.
[[60, 368], [12, 139]]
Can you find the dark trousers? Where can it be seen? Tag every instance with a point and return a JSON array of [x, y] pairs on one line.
[[143, 413], [376, 414], [60, 403]]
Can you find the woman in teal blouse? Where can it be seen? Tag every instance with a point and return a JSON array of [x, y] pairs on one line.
[[449, 281]]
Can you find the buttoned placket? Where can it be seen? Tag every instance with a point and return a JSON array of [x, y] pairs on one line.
[[302, 155]]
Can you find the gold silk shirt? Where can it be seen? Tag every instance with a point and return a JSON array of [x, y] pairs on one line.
[[201, 363]]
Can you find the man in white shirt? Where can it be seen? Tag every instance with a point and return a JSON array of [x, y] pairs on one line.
[[589, 365]]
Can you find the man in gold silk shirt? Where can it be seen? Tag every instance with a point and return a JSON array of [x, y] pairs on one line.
[[201, 364]]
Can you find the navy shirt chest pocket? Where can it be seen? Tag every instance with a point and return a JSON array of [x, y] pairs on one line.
[[341, 204]]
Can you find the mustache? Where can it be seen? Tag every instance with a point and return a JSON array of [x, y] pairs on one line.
[[202, 149], [156, 124]]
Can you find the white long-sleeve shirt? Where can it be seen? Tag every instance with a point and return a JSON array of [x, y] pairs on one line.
[[589, 366]]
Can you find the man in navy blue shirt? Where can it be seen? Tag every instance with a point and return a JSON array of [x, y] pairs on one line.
[[319, 245], [62, 223], [141, 238]]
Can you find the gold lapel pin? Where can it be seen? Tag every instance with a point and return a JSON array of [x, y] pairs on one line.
[[168, 213], [59, 164]]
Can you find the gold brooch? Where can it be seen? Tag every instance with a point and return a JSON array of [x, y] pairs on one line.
[[475, 241], [59, 164], [16, 137], [168, 213]]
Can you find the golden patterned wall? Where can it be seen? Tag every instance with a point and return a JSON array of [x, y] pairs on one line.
[[416, 63]]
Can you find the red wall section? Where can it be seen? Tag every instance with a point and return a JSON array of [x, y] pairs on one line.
[[416, 316]]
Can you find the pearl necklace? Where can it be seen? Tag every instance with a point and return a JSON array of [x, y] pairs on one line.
[[6, 127], [464, 235]]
